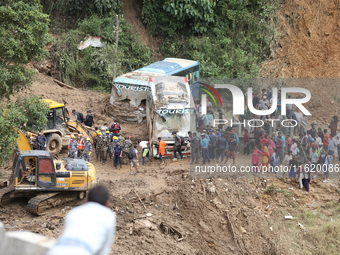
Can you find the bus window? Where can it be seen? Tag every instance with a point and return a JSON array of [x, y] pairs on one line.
[[196, 76]]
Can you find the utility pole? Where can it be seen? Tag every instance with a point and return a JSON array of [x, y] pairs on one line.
[[115, 62]]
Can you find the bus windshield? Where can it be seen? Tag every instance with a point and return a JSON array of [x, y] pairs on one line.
[[167, 121]]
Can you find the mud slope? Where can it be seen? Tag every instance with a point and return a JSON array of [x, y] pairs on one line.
[[309, 48], [132, 13]]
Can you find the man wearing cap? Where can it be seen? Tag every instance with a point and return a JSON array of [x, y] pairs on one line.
[[89, 119], [178, 142], [88, 150], [73, 147], [41, 141]]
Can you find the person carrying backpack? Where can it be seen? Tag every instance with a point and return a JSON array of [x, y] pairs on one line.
[[78, 116], [133, 157]]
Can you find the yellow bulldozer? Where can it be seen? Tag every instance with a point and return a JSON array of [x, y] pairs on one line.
[[44, 181], [59, 129]]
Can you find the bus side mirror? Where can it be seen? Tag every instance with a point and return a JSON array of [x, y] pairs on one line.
[[58, 166]]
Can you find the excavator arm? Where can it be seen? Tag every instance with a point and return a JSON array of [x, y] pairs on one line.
[[23, 143]]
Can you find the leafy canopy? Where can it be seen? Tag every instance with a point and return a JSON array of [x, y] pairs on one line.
[[24, 35], [16, 115]]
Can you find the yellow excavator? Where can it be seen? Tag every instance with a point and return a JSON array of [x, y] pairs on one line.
[[44, 181], [59, 129]]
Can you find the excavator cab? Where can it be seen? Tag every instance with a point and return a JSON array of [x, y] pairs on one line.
[[56, 117], [36, 169]]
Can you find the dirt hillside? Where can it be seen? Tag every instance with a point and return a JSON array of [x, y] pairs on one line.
[[309, 48], [180, 215]]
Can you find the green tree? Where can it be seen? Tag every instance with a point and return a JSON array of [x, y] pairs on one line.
[[16, 115], [24, 35]]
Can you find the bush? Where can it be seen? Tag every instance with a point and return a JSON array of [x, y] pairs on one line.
[[93, 67], [229, 38]]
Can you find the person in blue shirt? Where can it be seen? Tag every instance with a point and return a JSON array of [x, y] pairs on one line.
[[235, 136], [205, 149], [278, 109], [117, 154], [217, 133], [283, 138], [269, 94], [212, 145]]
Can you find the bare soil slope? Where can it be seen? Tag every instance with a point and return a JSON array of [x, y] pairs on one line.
[[309, 48]]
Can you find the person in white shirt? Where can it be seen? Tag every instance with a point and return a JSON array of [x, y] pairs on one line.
[[338, 143], [89, 228], [144, 149], [318, 139], [299, 116]]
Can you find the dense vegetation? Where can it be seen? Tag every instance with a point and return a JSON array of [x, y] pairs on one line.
[[229, 38], [74, 20], [24, 35]]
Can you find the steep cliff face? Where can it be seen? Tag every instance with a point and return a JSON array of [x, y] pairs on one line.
[[309, 48]]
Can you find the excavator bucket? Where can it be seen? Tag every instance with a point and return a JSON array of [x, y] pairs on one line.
[[23, 143]]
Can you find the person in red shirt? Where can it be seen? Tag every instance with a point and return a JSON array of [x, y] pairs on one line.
[[289, 141], [325, 140], [265, 141]]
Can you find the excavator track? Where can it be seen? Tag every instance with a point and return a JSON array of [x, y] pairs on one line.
[[6, 194], [40, 203]]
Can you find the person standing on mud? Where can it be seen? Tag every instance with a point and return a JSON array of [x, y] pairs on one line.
[[221, 117], [232, 146], [334, 125], [94, 237], [87, 150], [161, 150], [126, 148], [178, 142], [98, 145], [195, 145], [81, 143], [117, 155], [105, 148]]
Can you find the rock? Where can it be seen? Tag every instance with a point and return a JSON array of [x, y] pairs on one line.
[[243, 231]]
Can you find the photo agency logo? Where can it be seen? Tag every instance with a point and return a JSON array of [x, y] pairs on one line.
[[238, 104]]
